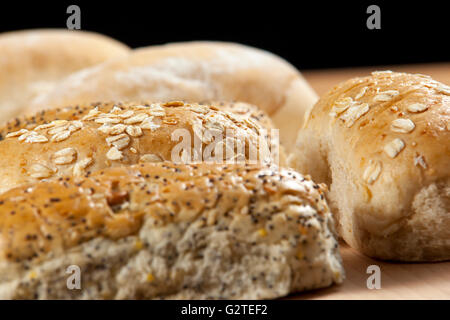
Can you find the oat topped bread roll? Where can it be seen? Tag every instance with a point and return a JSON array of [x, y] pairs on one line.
[[33, 61], [194, 72], [382, 143], [79, 140], [162, 230]]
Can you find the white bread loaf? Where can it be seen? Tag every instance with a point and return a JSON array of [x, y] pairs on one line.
[[194, 72], [162, 230], [32, 62], [382, 144]]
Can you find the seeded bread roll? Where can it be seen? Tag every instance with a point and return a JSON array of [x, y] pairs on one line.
[[163, 230], [382, 143], [194, 71], [79, 140], [33, 61]]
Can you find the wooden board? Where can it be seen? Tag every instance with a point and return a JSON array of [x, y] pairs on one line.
[[398, 280], [428, 281]]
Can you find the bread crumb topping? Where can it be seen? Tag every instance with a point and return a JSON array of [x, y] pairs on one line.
[[386, 96], [114, 154], [393, 148], [354, 113], [64, 156], [372, 172], [419, 161], [150, 158], [417, 107], [402, 125], [361, 93], [40, 171]]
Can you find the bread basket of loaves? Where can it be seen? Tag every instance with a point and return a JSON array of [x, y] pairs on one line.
[[209, 170]]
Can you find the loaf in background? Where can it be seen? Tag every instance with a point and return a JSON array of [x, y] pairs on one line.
[[32, 62], [194, 72]]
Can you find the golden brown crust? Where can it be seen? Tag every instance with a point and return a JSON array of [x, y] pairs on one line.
[[165, 230], [382, 139], [371, 134], [58, 214], [33, 61], [78, 140]]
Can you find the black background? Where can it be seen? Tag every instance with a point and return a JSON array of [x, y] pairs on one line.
[[312, 34], [171, 310]]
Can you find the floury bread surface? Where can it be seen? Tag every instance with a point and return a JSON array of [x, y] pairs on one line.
[[163, 230], [193, 72], [33, 62]]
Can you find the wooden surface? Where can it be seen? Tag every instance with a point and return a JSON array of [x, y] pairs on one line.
[[398, 280], [427, 281]]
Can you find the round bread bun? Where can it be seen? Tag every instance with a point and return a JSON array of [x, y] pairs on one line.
[[83, 139], [33, 61], [194, 72], [164, 230], [382, 144]]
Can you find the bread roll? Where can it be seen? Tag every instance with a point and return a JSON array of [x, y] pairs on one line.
[[194, 71], [82, 139], [162, 230], [33, 61], [382, 143]]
